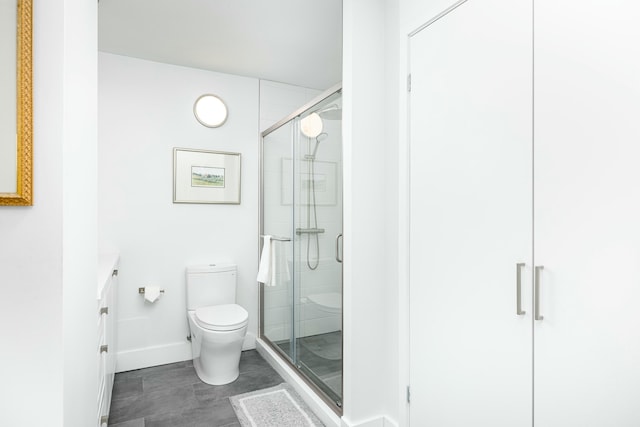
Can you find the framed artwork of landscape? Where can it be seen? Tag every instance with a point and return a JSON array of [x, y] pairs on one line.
[[201, 176]]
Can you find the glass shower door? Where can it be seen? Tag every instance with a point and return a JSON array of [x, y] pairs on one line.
[[277, 203], [318, 246], [301, 199]]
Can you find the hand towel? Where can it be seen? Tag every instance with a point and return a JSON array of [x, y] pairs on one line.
[[265, 270]]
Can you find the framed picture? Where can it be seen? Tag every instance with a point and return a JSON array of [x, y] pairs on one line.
[[323, 181], [205, 176]]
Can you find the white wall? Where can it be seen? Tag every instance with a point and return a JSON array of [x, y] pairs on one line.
[[145, 110], [371, 383], [80, 209], [48, 276]]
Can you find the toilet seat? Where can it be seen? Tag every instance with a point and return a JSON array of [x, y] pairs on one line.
[[224, 317]]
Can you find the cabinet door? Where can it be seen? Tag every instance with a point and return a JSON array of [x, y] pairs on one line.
[[587, 213], [470, 190]]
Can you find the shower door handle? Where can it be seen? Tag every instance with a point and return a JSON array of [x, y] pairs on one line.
[[338, 237]]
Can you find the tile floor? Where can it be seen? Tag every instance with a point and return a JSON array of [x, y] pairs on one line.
[[173, 395]]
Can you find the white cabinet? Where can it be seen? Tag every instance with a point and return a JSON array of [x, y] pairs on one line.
[[471, 216], [587, 213], [525, 153], [106, 332]]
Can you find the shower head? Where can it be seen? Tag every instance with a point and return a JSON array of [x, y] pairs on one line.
[[331, 112], [319, 139]]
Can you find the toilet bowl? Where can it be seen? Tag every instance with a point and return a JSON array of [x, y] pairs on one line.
[[217, 334], [217, 325]]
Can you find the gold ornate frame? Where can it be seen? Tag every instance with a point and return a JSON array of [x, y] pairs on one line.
[[24, 194]]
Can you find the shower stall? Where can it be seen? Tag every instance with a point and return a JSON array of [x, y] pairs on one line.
[[301, 213]]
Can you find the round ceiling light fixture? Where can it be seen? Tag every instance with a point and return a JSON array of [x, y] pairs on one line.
[[210, 111], [311, 126]]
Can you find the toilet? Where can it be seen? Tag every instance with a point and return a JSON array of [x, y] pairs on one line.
[[216, 323]]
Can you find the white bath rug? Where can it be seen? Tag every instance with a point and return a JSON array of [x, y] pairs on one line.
[[278, 406]]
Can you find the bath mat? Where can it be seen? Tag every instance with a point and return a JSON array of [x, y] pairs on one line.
[[278, 406]]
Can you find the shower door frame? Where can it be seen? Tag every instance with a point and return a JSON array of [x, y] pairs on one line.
[[338, 409]]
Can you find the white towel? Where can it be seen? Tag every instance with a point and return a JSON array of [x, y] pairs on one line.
[[265, 270]]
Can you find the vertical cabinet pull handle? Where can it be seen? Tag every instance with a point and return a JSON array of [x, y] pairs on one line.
[[538, 270], [519, 310], [338, 237]]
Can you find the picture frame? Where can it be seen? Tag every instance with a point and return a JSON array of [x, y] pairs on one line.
[[202, 176]]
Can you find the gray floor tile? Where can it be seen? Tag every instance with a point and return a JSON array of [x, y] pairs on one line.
[[171, 378], [248, 381], [159, 402], [125, 388], [173, 395], [215, 414], [252, 361], [138, 422]]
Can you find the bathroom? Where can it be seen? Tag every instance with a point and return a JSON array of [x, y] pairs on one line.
[[47, 251], [158, 114]]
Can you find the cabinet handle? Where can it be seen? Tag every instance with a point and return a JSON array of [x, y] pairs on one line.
[[338, 237], [537, 292], [104, 349], [519, 310]]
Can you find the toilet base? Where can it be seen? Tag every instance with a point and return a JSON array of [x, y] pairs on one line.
[[221, 378], [216, 354]]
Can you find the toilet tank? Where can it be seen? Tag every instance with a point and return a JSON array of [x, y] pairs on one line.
[[211, 284]]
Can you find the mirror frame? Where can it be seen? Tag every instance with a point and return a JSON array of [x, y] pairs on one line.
[[24, 109]]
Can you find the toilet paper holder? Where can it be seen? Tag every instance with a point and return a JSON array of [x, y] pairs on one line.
[[141, 290]]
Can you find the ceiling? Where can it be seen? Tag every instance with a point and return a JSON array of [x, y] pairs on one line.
[[290, 41]]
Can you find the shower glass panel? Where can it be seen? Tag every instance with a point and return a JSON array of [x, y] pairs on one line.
[[302, 207], [277, 215]]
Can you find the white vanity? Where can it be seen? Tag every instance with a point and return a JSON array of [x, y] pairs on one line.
[[106, 324]]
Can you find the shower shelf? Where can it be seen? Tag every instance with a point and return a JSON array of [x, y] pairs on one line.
[[309, 230]]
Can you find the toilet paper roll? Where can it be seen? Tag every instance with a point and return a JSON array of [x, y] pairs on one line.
[[151, 293]]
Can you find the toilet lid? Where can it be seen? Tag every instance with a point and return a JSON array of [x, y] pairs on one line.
[[224, 317]]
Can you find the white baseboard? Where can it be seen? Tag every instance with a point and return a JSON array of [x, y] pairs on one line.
[[161, 355], [326, 414], [153, 356]]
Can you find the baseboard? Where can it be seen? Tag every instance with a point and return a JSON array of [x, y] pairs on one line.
[[326, 414], [153, 356], [163, 354]]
